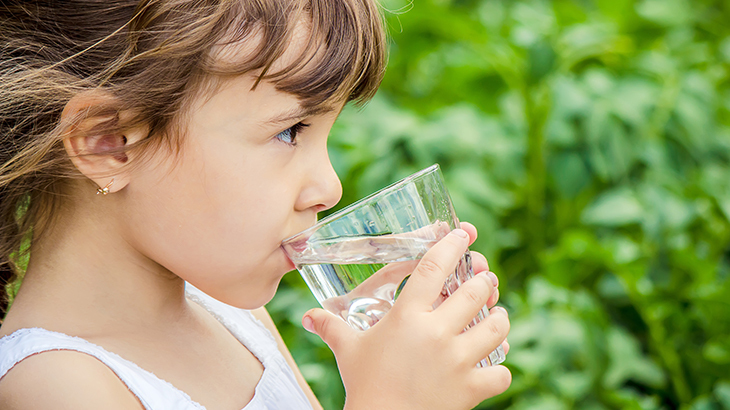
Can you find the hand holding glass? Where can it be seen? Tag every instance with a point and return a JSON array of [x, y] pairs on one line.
[[357, 260]]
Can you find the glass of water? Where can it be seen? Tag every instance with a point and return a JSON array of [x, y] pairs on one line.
[[357, 260]]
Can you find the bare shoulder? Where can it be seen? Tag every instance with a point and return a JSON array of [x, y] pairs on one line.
[[63, 379]]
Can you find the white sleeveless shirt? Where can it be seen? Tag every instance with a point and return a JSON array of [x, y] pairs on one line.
[[277, 388]]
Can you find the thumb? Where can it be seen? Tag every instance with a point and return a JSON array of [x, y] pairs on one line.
[[330, 328]]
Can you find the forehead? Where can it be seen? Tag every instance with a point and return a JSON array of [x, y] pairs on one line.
[[296, 56]]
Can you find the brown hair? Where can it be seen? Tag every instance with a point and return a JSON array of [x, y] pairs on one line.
[[152, 56]]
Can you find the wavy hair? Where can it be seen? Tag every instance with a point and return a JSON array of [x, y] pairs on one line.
[[153, 56]]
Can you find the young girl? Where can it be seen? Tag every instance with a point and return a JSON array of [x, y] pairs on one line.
[[154, 155]]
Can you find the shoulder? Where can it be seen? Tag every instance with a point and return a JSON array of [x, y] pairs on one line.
[[64, 379]]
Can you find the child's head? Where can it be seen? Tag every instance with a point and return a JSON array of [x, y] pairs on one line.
[[140, 91]]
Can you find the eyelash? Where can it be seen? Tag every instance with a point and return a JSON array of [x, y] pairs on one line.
[[291, 134]]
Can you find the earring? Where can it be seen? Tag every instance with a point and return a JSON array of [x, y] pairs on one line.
[[105, 190]]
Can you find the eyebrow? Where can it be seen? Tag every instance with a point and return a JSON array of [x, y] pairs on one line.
[[297, 113]]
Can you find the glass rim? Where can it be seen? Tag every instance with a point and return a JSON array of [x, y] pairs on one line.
[[384, 191]]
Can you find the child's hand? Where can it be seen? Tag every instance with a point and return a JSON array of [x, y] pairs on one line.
[[417, 357]]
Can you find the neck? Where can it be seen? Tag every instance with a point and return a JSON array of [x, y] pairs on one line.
[[85, 278]]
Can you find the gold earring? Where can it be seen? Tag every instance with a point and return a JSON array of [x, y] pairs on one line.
[[105, 190]]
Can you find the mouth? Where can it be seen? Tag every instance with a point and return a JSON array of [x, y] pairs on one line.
[[296, 243], [293, 246], [297, 246], [289, 262]]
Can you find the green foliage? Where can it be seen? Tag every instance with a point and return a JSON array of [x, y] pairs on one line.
[[589, 143]]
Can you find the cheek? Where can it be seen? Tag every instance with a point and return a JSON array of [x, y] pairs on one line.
[[217, 226]]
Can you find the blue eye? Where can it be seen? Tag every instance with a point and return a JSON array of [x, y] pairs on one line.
[[289, 135]]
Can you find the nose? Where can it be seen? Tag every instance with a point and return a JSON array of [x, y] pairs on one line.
[[322, 187]]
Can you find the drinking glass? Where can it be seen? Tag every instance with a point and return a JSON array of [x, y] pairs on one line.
[[357, 260]]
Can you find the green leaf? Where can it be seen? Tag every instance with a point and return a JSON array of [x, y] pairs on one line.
[[722, 392], [614, 208], [666, 12], [476, 184], [717, 350], [628, 363], [569, 174], [574, 385], [542, 402]]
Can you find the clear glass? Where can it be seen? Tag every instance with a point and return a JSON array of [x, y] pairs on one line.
[[357, 260]]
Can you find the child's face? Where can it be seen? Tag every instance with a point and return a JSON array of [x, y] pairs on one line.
[[216, 213]]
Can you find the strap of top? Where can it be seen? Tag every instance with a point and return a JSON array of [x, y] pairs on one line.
[[26, 342], [277, 389]]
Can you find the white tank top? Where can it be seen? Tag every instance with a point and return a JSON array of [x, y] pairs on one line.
[[277, 388]]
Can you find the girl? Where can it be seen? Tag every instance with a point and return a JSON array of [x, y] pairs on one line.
[[154, 155]]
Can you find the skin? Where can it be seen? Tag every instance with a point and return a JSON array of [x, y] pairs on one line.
[[214, 216]]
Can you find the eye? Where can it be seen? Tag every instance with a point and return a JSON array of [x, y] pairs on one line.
[[289, 135]]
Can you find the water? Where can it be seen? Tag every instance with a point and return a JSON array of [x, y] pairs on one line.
[[359, 277], [367, 249], [359, 293]]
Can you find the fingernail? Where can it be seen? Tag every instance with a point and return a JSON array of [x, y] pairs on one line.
[[501, 309], [308, 324], [493, 277], [460, 233]]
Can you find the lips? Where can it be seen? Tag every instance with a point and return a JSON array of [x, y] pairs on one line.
[[297, 246], [293, 246], [290, 263], [296, 243]]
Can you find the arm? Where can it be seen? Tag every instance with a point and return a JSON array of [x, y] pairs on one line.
[[262, 315], [63, 379]]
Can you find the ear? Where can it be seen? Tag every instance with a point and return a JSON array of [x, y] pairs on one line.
[[93, 140]]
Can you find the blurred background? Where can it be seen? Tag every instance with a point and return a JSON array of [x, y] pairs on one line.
[[589, 142]]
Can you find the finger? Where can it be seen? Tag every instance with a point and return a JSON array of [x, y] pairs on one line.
[[482, 339], [498, 309], [427, 280], [493, 298], [505, 347], [330, 328], [479, 262], [459, 309], [490, 381], [471, 230]]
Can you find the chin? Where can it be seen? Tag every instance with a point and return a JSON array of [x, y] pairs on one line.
[[264, 295], [256, 294], [244, 296], [250, 303]]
